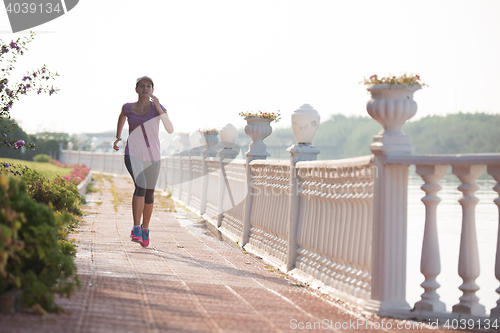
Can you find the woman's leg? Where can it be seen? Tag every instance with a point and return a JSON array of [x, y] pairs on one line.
[[137, 175], [146, 215], [152, 172], [138, 208]]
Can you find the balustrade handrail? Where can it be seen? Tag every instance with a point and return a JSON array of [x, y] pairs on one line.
[[345, 162], [271, 163], [444, 159], [230, 160]]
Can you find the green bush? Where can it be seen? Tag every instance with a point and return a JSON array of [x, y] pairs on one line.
[[60, 194], [41, 158], [33, 253]]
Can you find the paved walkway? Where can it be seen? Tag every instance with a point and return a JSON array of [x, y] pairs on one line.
[[186, 281]]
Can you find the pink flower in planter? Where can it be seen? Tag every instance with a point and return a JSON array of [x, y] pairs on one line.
[[79, 172]]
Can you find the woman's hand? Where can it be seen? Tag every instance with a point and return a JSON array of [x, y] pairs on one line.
[[115, 144], [156, 102], [163, 115]]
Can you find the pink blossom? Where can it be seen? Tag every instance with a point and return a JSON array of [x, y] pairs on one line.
[[19, 144], [13, 45]]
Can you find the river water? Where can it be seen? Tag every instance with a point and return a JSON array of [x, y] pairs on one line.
[[449, 224]]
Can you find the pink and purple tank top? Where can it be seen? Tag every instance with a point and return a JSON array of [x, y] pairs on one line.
[[143, 133]]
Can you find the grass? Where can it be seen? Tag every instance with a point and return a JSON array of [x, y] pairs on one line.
[[164, 202], [90, 188], [47, 169], [116, 199]]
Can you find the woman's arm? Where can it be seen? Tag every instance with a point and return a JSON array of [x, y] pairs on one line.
[[163, 115], [119, 128], [166, 122]]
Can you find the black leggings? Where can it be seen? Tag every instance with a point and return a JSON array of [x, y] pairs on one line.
[[145, 174]]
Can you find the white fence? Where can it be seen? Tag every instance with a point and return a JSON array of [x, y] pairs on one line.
[[330, 214], [102, 162], [341, 223], [334, 226], [344, 223]]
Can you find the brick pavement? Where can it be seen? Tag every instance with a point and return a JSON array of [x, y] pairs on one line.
[[186, 281]]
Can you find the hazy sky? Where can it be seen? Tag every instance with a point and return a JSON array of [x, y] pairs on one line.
[[211, 60]]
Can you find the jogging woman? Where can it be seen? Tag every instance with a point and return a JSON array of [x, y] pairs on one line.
[[142, 152]]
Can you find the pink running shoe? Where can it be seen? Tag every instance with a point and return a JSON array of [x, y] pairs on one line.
[[136, 234], [145, 237]]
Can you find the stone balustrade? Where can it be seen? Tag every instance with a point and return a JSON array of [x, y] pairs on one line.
[[332, 220], [334, 225], [467, 168], [331, 193], [340, 224]]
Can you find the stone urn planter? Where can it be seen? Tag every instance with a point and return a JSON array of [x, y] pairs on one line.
[[184, 140], [176, 142], [197, 141], [392, 105], [210, 141], [258, 128]]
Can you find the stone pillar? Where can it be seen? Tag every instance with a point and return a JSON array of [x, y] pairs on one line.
[[228, 137], [391, 106], [197, 141], [225, 153], [305, 124], [258, 129], [211, 140], [184, 151], [299, 152]]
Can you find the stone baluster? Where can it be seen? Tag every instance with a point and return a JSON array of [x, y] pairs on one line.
[[494, 171], [430, 264], [468, 261]]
